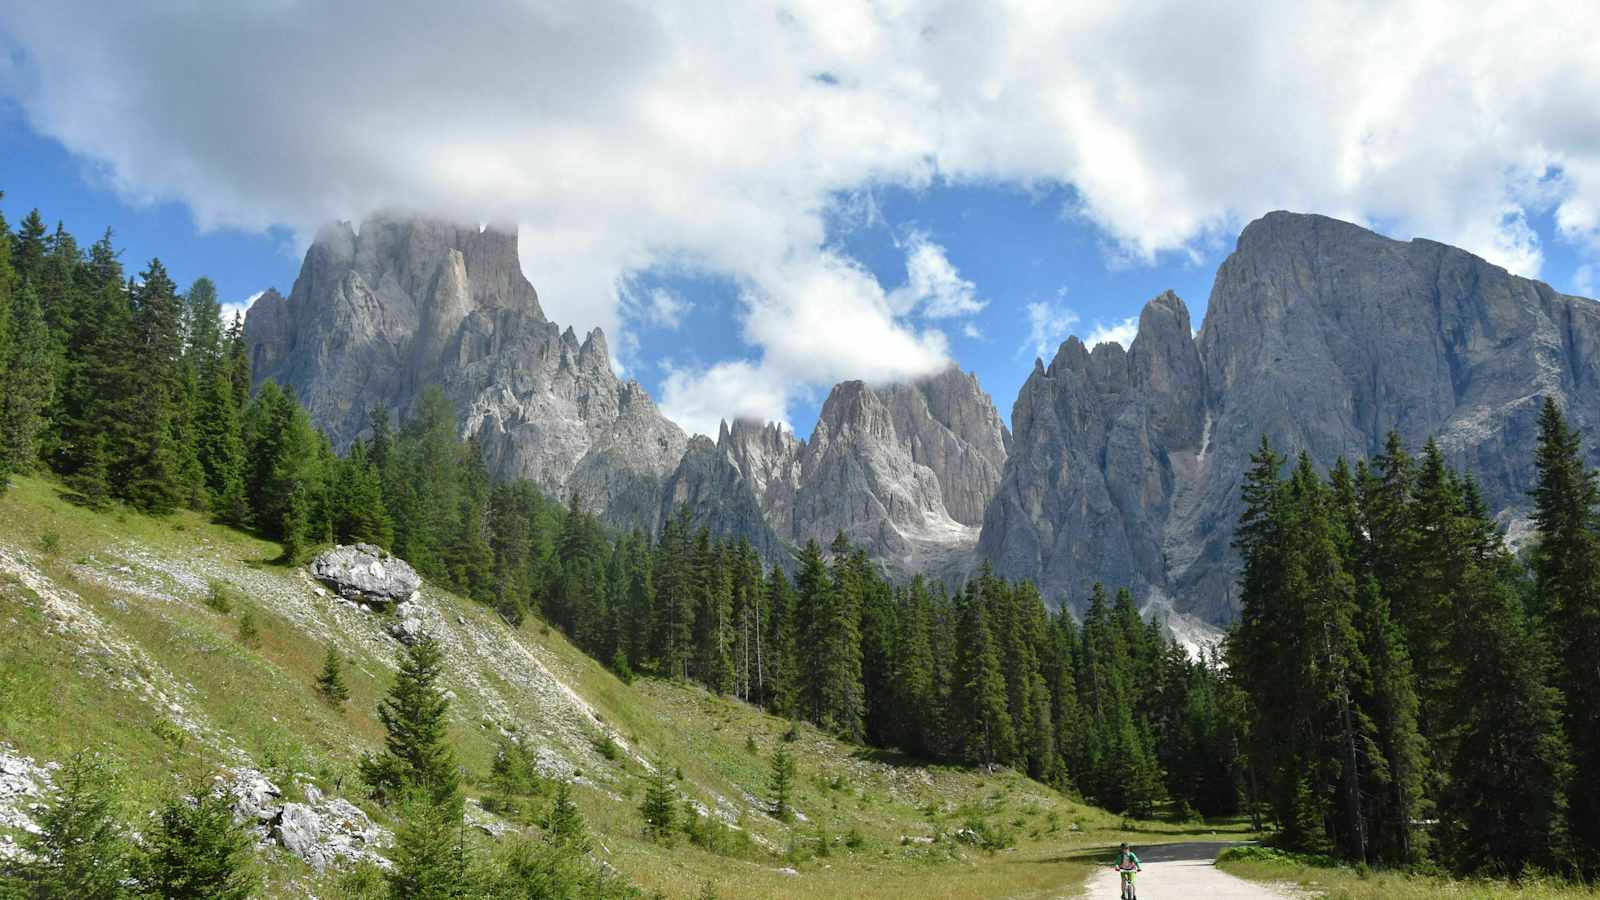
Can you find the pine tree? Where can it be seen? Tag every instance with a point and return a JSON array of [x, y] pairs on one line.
[[660, 807], [417, 754], [197, 852], [835, 642], [1566, 564], [783, 690], [564, 826], [92, 480], [780, 784], [28, 378], [330, 682], [914, 703], [78, 850], [1502, 808], [152, 480], [979, 717], [430, 852]]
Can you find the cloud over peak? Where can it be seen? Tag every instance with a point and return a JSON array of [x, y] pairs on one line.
[[625, 136]]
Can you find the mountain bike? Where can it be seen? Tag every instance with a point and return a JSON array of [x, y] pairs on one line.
[[1127, 873]]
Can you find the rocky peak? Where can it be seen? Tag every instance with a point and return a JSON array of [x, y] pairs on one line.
[[408, 301], [1320, 334]]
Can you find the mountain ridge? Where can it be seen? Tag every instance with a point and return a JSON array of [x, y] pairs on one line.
[[1120, 465]]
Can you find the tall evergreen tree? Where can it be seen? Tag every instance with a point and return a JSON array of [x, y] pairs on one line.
[[417, 756], [153, 478], [28, 378], [1566, 564], [979, 717], [914, 704]]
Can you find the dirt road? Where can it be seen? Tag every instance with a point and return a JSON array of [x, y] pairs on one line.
[[1181, 872]]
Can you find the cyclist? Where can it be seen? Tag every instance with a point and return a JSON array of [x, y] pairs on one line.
[[1127, 863]]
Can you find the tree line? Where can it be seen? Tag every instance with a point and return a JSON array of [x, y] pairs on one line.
[[1416, 691]]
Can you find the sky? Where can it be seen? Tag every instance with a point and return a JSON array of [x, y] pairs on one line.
[[758, 200]]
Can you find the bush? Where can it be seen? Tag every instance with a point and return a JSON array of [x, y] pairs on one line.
[[50, 543], [713, 835], [607, 747], [220, 597], [988, 837], [249, 634]]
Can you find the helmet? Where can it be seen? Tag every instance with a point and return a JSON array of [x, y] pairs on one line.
[[1124, 845]]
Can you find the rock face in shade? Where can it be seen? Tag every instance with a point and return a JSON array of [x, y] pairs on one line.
[[903, 470], [406, 302], [1126, 467]]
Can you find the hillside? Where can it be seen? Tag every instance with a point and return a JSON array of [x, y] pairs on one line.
[[107, 642]]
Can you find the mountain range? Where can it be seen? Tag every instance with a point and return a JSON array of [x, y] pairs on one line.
[[1121, 465]]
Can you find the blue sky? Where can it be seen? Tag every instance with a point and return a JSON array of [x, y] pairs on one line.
[[757, 200]]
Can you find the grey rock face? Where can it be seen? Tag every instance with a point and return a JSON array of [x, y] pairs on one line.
[[1126, 468], [1096, 461], [408, 302], [323, 831], [903, 470], [363, 573]]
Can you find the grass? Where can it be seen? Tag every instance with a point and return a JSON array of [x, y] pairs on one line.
[[1323, 877], [174, 588]]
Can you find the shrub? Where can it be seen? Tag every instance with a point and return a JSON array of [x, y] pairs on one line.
[[219, 597], [249, 634], [50, 543], [607, 747]]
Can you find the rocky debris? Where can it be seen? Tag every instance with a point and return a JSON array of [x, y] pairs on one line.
[[485, 821], [323, 831], [410, 301], [363, 573], [101, 653], [24, 786], [1126, 465], [408, 631]]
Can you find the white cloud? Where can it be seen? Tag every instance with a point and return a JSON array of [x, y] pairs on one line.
[[626, 135], [699, 400], [229, 310], [1048, 325], [1122, 332], [972, 331], [933, 286], [1586, 281], [656, 306]]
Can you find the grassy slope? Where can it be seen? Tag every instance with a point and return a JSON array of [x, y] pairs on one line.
[[105, 641], [1348, 883]]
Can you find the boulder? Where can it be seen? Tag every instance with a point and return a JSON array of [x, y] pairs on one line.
[[363, 573], [299, 830], [407, 631]]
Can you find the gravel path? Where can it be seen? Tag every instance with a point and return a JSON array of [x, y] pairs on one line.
[[1181, 872]]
